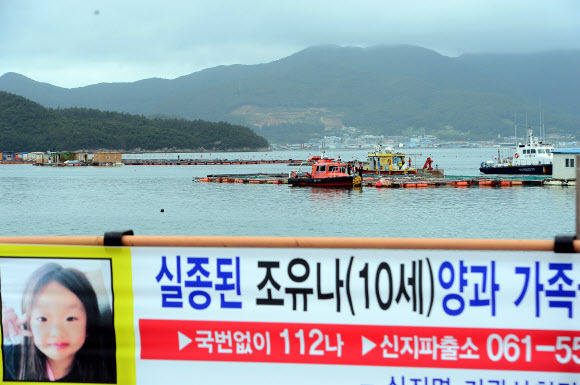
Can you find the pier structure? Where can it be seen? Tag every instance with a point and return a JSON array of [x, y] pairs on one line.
[[395, 182]]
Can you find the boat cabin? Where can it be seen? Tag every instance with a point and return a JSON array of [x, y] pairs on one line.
[[388, 161], [325, 172], [328, 168], [532, 152]]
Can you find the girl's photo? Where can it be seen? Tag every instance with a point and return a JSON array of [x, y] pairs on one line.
[[57, 320]]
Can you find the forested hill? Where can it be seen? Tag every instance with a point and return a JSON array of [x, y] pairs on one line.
[[28, 126]]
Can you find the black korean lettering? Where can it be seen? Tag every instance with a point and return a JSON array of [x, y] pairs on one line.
[[296, 291], [339, 284], [402, 288], [319, 292], [269, 278], [411, 281]]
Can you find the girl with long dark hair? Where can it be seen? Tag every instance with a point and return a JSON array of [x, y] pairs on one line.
[[64, 338]]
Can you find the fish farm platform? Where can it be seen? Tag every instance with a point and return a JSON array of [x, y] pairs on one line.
[[396, 181]]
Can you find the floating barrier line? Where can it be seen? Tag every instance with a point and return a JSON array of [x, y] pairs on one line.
[[299, 242], [209, 162], [377, 181]]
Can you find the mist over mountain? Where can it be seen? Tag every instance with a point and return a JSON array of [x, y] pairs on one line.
[[329, 90]]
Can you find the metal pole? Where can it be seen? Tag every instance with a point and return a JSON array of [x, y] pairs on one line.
[[299, 242]]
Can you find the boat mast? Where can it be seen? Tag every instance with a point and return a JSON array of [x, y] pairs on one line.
[[541, 128], [516, 130], [544, 130]]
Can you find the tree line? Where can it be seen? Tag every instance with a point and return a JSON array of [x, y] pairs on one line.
[[28, 126]]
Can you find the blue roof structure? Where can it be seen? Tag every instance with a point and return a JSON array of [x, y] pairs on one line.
[[571, 151]]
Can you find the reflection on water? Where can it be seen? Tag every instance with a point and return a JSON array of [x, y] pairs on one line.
[[90, 201]]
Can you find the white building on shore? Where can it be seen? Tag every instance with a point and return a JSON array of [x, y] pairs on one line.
[[564, 164]]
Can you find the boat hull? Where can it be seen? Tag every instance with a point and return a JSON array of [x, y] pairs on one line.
[[340, 181], [537, 169]]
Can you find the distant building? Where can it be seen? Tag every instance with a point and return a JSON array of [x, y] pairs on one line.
[[564, 164], [107, 157], [38, 157], [61, 157], [7, 155]]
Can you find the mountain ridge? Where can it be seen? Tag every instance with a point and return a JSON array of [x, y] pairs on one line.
[[385, 90]]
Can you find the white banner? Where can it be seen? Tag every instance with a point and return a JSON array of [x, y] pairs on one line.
[[256, 316], [287, 316]]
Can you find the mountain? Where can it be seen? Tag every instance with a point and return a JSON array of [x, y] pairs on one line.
[[325, 90], [548, 76], [28, 126]]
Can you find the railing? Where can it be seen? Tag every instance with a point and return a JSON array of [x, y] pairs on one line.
[[307, 242]]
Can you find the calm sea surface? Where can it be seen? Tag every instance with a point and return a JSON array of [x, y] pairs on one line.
[[92, 200]]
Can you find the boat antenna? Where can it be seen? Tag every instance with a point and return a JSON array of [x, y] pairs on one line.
[[541, 128], [515, 129], [540, 103]]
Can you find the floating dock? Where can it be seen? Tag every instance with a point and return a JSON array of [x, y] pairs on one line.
[[396, 182]]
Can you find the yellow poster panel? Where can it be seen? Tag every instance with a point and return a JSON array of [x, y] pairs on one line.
[[67, 315]]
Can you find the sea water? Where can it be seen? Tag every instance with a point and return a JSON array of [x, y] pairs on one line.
[[164, 200]]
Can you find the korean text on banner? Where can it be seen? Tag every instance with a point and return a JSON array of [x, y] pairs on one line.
[[357, 316]]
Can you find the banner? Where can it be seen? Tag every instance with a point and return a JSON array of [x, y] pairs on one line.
[[285, 316]]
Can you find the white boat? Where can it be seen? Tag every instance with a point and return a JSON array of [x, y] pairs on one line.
[[531, 158]]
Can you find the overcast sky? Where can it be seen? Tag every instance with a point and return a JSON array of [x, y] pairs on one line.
[[73, 43]]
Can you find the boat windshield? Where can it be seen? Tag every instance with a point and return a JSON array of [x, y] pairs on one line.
[[333, 168], [541, 151], [321, 168]]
